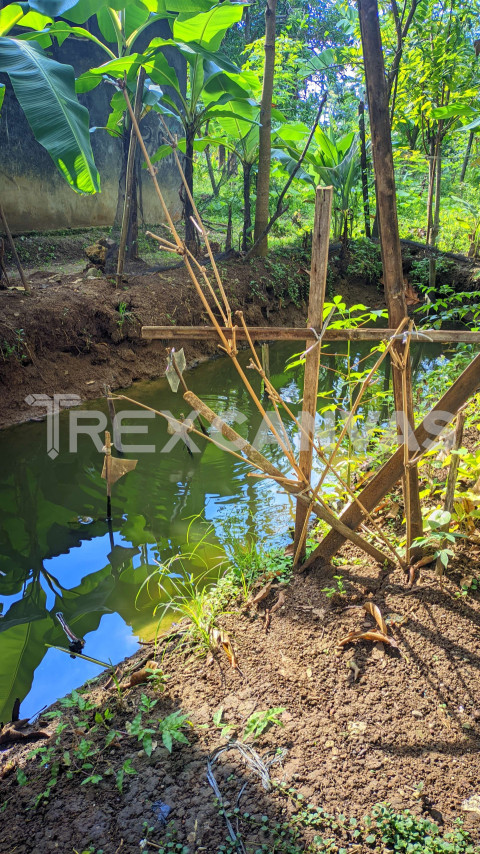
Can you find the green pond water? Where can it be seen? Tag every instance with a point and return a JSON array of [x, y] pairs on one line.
[[58, 555]]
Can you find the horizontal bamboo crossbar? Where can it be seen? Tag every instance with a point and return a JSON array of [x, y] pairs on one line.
[[293, 333]]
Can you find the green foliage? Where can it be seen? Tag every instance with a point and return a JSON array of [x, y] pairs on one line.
[[337, 590], [46, 92], [435, 537], [171, 728], [258, 722]]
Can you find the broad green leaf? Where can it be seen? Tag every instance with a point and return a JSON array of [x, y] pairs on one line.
[[9, 17], [61, 31], [161, 72], [85, 9], [52, 8], [473, 125], [224, 84], [2, 94], [114, 68], [46, 92], [207, 28], [105, 26], [25, 610], [452, 111]]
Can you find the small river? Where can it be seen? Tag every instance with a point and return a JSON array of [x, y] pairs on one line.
[[58, 555]]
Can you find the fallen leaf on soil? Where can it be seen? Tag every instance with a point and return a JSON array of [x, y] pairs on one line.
[[472, 804], [375, 612], [9, 735], [424, 561], [279, 603], [376, 637], [393, 511], [262, 594], [220, 638], [143, 675]]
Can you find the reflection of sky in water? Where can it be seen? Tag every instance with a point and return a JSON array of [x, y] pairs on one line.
[[43, 500]]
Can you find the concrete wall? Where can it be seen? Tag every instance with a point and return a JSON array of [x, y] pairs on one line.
[[33, 193]]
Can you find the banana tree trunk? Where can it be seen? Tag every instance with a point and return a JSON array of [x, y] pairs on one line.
[[191, 234], [264, 155]]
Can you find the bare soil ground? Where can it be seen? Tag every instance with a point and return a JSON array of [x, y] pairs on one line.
[[361, 725]]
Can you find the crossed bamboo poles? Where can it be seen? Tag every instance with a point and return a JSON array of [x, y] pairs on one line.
[[300, 487]]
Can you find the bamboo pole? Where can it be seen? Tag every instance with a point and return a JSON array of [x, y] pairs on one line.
[[108, 473], [14, 251], [316, 299], [294, 333]]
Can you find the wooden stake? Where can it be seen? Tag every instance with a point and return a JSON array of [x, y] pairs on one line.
[[295, 333], [108, 472], [14, 251], [318, 281], [111, 411]]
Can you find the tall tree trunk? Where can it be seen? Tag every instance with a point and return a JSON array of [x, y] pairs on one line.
[[264, 153], [363, 165], [389, 235], [191, 234], [247, 209], [467, 156], [436, 214], [431, 188]]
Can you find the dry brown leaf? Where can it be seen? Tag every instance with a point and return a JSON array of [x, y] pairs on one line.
[[143, 675], [376, 637], [424, 561], [279, 603], [220, 638], [262, 594], [375, 612], [393, 510]]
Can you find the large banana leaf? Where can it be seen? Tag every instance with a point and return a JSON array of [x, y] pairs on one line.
[[207, 28], [46, 92]]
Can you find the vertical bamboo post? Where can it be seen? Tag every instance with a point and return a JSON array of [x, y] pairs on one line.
[[129, 180], [108, 473], [117, 441], [14, 251], [388, 225], [316, 299]]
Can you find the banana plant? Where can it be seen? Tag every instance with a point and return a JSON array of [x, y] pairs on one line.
[[45, 90], [198, 31], [329, 160]]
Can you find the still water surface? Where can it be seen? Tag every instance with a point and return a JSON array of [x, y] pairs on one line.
[[56, 552]]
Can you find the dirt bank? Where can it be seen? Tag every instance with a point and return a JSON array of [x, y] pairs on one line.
[[74, 334]]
